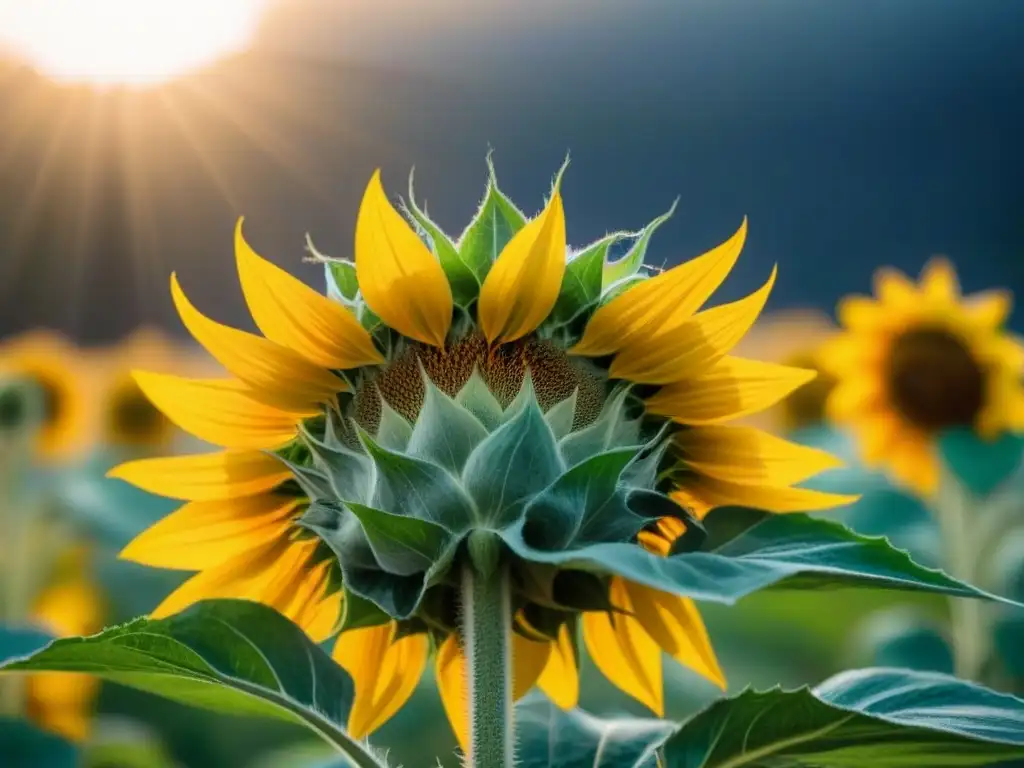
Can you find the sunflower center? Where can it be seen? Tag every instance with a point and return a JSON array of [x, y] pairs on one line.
[[934, 381], [133, 418], [806, 406], [554, 374]]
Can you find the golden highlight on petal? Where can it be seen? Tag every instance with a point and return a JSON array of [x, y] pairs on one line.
[[450, 674], [731, 388], [621, 648], [205, 477], [400, 279], [750, 456], [385, 671], [204, 534], [675, 624], [276, 375], [560, 679], [663, 356], [710, 493], [289, 312], [278, 574], [522, 286], [659, 304], [219, 411]]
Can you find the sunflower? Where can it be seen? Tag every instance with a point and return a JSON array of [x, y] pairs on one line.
[[426, 356], [792, 338], [128, 419], [919, 359], [61, 702], [50, 363]]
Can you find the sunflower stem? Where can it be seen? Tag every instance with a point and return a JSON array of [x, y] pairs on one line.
[[487, 630], [952, 508]]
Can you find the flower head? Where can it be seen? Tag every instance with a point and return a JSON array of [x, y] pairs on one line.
[[61, 702], [498, 391], [919, 359], [53, 367]]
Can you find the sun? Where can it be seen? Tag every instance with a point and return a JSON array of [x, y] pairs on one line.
[[125, 42]]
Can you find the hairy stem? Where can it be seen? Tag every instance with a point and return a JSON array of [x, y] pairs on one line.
[[487, 619], [952, 508]]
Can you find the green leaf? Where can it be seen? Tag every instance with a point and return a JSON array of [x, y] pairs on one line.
[[340, 274], [357, 612], [22, 745], [631, 263], [488, 233], [445, 432], [230, 656], [403, 545], [552, 738], [981, 465], [477, 398], [512, 465], [561, 416], [883, 718], [612, 429], [123, 744], [787, 551], [462, 279], [581, 285], [394, 431], [417, 488], [349, 473], [584, 505]]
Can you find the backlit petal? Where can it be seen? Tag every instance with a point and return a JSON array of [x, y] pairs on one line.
[[675, 624], [989, 309], [291, 313], [750, 456], [205, 477], [219, 411], [731, 388], [275, 374], [861, 313], [894, 289], [666, 301], [560, 679], [522, 285], [670, 354], [853, 396], [61, 702], [204, 534], [939, 282], [450, 673], [624, 652], [529, 659], [400, 279], [711, 493], [385, 671]]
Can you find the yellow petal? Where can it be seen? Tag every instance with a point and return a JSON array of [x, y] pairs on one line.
[[851, 353], [72, 606], [385, 672], [292, 314], [62, 702], [450, 673], [860, 313], [401, 280], [271, 574], [219, 411], [939, 282], [560, 679], [989, 309], [876, 434], [316, 606], [275, 375], [915, 463], [529, 659], [895, 289], [730, 388], [670, 354], [624, 652], [522, 286], [204, 534], [205, 477], [675, 624], [853, 398], [750, 456], [663, 302], [712, 493]]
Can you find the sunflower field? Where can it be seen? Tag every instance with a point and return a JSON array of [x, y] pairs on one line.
[[483, 495]]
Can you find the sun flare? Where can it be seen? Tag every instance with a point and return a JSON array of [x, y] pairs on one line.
[[125, 42]]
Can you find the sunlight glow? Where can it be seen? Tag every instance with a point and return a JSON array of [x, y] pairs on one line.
[[127, 42]]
